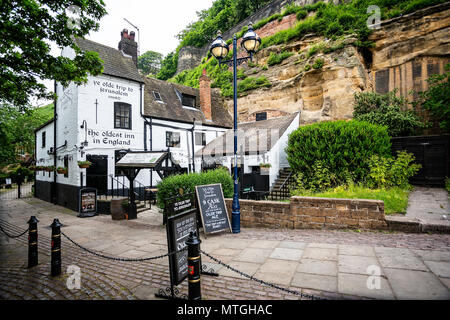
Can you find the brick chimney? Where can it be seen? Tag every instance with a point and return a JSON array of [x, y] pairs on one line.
[[128, 45], [205, 95]]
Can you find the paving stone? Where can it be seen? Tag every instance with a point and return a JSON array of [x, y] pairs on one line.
[[286, 254], [441, 269], [446, 282], [354, 250], [321, 267], [245, 267], [429, 255], [314, 281], [357, 264], [277, 271], [320, 254], [411, 284], [264, 244], [225, 252], [253, 255], [292, 245], [322, 245], [401, 261], [356, 284]]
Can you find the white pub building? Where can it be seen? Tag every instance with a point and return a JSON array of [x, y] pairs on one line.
[[117, 112]]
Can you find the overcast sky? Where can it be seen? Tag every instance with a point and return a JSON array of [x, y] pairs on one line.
[[158, 22]]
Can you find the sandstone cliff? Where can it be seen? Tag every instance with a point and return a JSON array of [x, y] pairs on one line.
[[321, 76]]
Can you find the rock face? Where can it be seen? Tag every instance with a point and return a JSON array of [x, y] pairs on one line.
[[407, 51]]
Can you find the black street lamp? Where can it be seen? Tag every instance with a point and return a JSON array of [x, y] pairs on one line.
[[219, 49]]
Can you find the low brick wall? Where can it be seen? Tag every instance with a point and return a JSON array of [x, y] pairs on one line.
[[312, 213]]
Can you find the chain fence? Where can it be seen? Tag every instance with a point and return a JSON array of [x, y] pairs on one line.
[[290, 291], [11, 236], [262, 282], [122, 259]]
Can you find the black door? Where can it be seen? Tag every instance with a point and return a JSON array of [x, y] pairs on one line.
[[97, 173]]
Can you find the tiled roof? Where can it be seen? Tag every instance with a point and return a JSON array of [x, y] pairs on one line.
[[253, 137], [114, 62], [171, 107]]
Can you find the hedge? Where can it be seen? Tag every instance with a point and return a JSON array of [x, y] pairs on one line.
[[342, 147], [170, 186]]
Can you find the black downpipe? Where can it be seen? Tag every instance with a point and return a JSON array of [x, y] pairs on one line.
[[193, 148], [55, 117]]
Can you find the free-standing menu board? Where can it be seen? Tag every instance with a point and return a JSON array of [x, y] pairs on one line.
[[213, 210], [178, 229], [88, 202]]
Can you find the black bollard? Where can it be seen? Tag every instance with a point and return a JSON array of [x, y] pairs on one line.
[[56, 248], [194, 267], [32, 242]]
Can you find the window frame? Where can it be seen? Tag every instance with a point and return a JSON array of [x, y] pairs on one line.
[[263, 114], [203, 139], [43, 137], [190, 98], [118, 106], [170, 142]]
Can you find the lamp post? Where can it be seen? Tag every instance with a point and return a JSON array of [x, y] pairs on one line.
[[219, 49]]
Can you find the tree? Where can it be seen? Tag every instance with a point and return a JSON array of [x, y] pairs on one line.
[[436, 99], [387, 110], [17, 130], [168, 66], [150, 62], [27, 27]]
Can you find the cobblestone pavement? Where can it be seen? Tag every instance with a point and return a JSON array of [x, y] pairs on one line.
[[325, 263]]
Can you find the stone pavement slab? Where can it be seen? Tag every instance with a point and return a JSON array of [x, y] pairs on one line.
[[320, 267], [356, 284], [356, 264], [320, 254], [412, 284], [315, 281], [286, 254], [439, 268]]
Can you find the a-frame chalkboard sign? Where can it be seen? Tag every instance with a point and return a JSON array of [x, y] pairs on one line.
[[213, 210]]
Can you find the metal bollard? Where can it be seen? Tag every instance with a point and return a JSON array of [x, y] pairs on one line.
[[32, 242], [194, 267], [56, 248]]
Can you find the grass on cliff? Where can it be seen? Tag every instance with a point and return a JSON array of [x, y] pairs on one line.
[[395, 199]]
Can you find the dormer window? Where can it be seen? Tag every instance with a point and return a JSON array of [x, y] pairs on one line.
[[157, 96], [188, 100]]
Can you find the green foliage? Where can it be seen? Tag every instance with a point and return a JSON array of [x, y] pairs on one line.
[[168, 66], [436, 99], [17, 130], [307, 67], [27, 28], [170, 186], [447, 184], [278, 58], [338, 149], [251, 83], [388, 110], [350, 17], [386, 172], [150, 62], [318, 63], [395, 199]]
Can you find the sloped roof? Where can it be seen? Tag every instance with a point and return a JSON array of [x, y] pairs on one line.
[[253, 137], [171, 107], [114, 62]]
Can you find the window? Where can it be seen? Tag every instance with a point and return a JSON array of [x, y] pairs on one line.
[[261, 116], [172, 139], [188, 100], [122, 115], [157, 96], [66, 165], [200, 139], [43, 139]]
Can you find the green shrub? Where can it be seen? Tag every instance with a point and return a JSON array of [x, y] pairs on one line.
[[301, 14], [447, 184], [278, 58], [341, 147], [251, 83], [318, 64], [386, 172], [388, 110], [307, 67], [170, 186]]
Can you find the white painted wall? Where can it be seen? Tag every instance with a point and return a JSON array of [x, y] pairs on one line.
[[42, 158]]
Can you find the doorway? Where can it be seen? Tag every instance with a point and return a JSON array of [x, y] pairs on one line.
[[97, 173]]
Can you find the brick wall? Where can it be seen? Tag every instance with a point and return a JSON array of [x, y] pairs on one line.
[[312, 213]]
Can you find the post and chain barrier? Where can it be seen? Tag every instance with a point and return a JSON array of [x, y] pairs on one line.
[[11, 236], [194, 258]]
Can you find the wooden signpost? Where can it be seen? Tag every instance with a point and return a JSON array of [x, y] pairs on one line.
[[213, 210]]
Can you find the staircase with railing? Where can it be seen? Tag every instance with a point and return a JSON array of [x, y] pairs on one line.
[[281, 189]]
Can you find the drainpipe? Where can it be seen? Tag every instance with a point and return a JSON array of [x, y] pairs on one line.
[[193, 147], [55, 117]]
